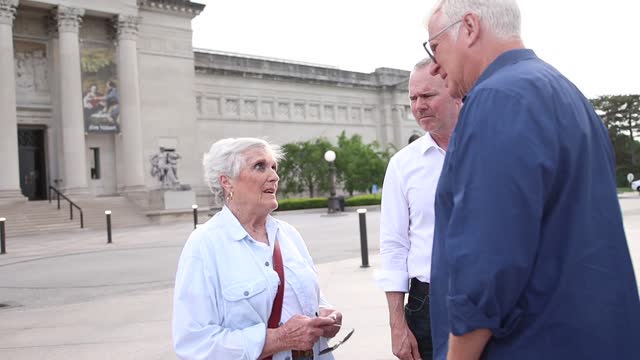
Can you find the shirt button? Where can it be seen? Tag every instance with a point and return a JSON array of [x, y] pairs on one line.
[[280, 323], [266, 263], [246, 293]]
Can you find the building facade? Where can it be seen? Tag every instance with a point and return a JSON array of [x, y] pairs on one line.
[[92, 91]]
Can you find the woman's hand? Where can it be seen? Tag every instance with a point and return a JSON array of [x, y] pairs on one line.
[[301, 332], [330, 331]]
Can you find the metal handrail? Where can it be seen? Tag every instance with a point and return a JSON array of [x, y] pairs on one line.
[[71, 205]]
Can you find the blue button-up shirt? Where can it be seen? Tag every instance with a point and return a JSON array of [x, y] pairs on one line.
[[529, 241]]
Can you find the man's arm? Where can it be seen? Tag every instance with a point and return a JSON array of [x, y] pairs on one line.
[[394, 250], [403, 343], [468, 346]]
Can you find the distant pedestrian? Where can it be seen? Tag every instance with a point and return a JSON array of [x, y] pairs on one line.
[[413, 138]]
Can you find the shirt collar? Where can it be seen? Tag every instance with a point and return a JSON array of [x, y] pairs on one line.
[[236, 231], [426, 143], [505, 59]]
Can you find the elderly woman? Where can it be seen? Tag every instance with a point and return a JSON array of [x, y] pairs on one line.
[[246, 287]]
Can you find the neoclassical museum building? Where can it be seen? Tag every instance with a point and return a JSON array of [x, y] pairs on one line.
[[92, 90]]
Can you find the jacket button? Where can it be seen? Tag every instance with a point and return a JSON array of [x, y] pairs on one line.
[[246, 293], [266, 263]]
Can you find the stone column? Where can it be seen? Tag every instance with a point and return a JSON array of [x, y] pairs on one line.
[[73, 143], [129, 97], [10, 173]]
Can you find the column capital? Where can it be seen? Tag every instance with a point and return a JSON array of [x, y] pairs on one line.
[[8, 11], [127, 26], [69, 19], [52, 25]]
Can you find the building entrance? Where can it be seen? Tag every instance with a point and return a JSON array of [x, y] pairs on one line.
[[33, 174]]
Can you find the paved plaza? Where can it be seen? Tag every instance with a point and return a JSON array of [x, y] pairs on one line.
[[72, 296]]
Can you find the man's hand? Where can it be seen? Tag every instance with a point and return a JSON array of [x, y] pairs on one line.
[[403, 343]]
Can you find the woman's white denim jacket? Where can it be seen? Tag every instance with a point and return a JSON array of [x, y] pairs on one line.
[[224, 292]]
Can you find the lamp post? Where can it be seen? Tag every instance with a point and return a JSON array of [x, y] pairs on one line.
[[333, 203]]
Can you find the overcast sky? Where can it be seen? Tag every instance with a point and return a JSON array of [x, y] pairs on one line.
[[595, 43]]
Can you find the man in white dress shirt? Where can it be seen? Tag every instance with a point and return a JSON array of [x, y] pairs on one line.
[[407, 220]]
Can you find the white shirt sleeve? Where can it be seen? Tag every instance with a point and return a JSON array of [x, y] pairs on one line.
[[394, 233], [196, 333]]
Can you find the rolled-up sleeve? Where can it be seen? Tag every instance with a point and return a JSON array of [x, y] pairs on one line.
[[196, 318], [394, 233], [493, 233]]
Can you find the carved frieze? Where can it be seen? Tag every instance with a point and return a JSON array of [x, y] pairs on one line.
[[355, 115], [231, 107], [329, 113], [368, 114], [266, 110], [314, 112], [283, 111], [212, 106], [250, 109], [298, 112], [30, 62], [342, 113]]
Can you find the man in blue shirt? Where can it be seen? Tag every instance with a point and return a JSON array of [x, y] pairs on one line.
[[530, 259]]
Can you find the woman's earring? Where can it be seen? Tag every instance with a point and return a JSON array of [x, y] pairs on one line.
[[230, 196]]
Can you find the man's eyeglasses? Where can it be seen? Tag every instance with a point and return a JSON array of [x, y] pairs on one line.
[[427, 46], [336, 345]]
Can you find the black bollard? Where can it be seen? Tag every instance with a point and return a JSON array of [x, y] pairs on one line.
[[364, 249], [195, 215], [108, 214], [3, 249]]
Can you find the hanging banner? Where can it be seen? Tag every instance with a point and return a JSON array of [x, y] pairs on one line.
[[100, 97]]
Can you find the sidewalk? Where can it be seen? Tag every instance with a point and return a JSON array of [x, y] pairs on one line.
[[74, 297], [138, 326]]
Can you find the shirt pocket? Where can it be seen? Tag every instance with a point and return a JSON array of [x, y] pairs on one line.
[[303, 279], [246, 303]]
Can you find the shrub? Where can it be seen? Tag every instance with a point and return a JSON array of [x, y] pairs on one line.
[[360, 200], [302, 203]]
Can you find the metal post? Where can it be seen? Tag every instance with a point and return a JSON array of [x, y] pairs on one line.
[[195, 215], [108, 214], [57, 193], [364, 249], [81, 220], [70, 211], [3, 249]]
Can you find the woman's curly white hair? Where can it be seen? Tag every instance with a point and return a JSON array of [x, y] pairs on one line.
[[227, 157]]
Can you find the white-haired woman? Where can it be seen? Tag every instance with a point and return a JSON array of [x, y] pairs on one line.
[[246, 287]]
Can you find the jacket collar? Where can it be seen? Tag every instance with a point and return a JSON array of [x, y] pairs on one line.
[[235, 231]]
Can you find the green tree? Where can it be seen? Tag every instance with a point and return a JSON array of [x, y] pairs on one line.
[[360, 165], [304, 167], [621, 115]]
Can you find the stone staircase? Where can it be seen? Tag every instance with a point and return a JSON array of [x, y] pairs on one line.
[[41, 217]]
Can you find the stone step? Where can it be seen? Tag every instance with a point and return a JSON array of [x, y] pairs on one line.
[[40, 217]]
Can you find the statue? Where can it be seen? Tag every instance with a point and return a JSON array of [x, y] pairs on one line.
[[164, 167]]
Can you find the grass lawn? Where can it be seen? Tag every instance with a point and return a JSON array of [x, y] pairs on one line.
[[625, 189]]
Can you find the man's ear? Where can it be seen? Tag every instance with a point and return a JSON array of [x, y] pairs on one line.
[[471, 29]]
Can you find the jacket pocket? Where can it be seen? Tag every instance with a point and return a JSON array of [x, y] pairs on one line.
[[246, 303]]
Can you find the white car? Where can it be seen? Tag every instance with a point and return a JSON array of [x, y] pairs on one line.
[[636, 185]]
